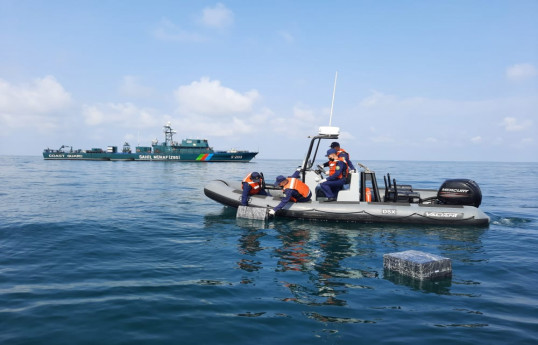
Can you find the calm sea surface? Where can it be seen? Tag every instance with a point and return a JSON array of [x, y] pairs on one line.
[[135, 253]]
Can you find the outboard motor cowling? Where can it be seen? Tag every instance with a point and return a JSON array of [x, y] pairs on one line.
[[460, 192]]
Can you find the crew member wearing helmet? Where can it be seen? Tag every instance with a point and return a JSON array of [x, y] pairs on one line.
[[340, 152], [337, 175], [295, 190], [252, 184]]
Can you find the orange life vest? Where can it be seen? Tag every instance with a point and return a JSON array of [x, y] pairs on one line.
[[334, 164], [299, 186], [255, 187], [342, 151]]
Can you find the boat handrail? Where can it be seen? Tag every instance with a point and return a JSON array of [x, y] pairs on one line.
[[364, 167]]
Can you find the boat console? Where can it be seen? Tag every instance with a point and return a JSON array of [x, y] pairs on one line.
[[362, 186]]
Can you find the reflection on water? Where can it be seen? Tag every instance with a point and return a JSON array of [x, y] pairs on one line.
[[321, 254], [438, 286], [249, 244], [315, 252], [331, 319], [144, 256], [294, 254], [253, 224], [326, 263]]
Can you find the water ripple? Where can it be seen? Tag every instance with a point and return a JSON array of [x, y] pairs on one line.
[[123, 253]]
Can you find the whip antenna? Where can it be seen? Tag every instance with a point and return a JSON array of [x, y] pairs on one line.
[[332, 103]]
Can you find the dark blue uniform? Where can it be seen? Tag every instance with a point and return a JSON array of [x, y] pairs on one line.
[[336, 146], [292, 193], [345, 155], [334, 183], [246, 191]]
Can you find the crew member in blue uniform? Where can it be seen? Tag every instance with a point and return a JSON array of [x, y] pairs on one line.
[[338, 171], [340, 152], [295, 190], [252, 184]]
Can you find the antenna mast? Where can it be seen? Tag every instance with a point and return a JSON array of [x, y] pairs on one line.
[[332, 103]]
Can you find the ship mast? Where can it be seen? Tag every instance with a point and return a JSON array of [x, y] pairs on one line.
[[168, 134], [332, 103]]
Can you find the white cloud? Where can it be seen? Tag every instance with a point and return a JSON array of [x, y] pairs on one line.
[[511, 124], [168, 31], [201, 126], [302, 114], [39, 103], [209, 109], [383, 139], [443, 125], [131, 87], [124, 114], [384, 111], [476, 140], [522, 71], [377, 98], [209, 97], [260, 117], [218, 17], [286, 36], [42, 95], [303, 121], [345, 135]]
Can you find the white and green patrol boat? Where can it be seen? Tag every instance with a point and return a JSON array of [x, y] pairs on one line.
[[189, 150]]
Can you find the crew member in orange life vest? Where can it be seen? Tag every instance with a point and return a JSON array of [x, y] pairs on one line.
[[294, 190], [252, 184], [337, 175], [340, 152]]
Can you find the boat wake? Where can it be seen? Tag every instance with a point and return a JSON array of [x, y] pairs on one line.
[[510, 221]]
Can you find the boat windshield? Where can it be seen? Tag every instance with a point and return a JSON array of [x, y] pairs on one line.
[[312, 153]]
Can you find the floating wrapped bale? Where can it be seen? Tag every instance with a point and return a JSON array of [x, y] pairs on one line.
[[418, 265], [251, 213]]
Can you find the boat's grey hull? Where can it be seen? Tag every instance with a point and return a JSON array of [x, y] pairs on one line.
[[229, 194]]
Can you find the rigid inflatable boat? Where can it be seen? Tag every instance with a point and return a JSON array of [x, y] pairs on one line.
[[456, 201]]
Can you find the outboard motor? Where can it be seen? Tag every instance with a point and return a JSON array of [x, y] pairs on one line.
[[460, 192]]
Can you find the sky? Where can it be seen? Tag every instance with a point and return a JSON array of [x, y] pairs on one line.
[[416, 80]]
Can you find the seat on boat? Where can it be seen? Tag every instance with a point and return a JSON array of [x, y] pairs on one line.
[[399, 193], [350, 190]]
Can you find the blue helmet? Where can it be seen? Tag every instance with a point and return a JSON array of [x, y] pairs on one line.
[[279, 179]]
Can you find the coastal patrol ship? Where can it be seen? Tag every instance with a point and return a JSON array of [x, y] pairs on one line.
[[189, 150]]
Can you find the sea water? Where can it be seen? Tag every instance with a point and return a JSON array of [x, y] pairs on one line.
[[135, 253]]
